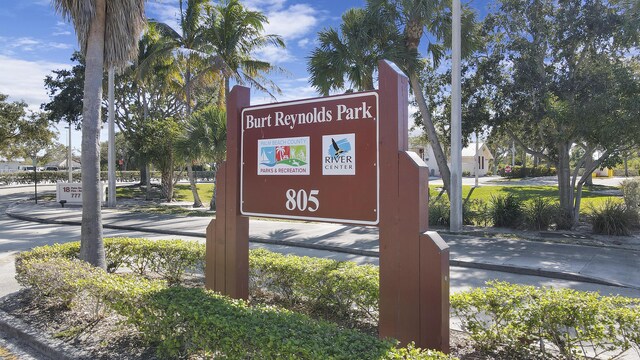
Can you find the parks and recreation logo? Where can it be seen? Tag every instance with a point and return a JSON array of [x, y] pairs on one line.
[[284, 156], [339, 154]]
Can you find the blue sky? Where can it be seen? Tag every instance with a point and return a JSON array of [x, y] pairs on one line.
[[35, 40]]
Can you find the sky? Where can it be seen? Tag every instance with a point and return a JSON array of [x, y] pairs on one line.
[[34, 40]]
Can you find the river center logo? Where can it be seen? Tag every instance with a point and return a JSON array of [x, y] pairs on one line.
[[285, 156], [339, 154]]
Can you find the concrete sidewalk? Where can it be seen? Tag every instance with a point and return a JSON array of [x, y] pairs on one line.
[[616, 266]]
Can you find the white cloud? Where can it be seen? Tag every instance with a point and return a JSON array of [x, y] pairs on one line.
[[165, 12], [273, 55], [24, 80], [10, 45], [61, 33], [292, 23], [304, 42], [269, 5]]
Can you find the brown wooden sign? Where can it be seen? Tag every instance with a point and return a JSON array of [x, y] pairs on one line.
[[315, 159]]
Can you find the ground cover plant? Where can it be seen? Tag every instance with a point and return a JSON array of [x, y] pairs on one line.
[[156, 295]]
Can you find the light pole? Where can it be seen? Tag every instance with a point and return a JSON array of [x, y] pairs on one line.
[[455, 214], [111, 159], [69, 156]]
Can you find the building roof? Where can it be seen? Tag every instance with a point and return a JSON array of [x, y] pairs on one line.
[[470, 150]]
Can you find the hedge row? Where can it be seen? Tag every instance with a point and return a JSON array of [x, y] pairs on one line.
[[184, 322], [520, 172], [507, 320], [337, 289], [26, 177], [543, 323]]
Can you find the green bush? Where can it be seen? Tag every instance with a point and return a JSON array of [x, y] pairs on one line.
[[505, 211], [331, 288], [631, 194], [184, 322], [439, 213], [613, 218], [519, 172], [476, 212], [526, 322], [539, 214]]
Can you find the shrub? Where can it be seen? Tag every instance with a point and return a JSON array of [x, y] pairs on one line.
[[631, 194], [539, 213], [505, 211], [439, 213], [612, 218], [184, 322], [519, 172], [527, 322], [476, 212]]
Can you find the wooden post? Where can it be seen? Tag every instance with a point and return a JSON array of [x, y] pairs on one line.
[[227, 254], [411, 309]]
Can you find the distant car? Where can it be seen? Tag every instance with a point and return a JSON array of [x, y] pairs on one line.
[[51, 168]]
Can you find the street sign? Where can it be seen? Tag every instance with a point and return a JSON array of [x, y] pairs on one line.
[[71, 193], [314, 159], [507, 169]]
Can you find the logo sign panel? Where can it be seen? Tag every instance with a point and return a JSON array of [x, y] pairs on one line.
[[314, 159]]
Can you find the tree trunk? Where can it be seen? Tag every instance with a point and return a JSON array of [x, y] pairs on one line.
[[212, 204], [587, 164], [194, 189], [143, 172], [192, 181], [626, 166], [147, 194], [441, 159], [564, 179], [91, 243], [167, 184]]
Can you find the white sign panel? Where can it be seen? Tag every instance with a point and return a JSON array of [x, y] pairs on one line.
[[284, 156], [72, 192], [339, 154]]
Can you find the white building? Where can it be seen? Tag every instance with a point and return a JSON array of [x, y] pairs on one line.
[[469, 157]]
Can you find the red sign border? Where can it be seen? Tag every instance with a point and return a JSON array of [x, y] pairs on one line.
[[311, 101]]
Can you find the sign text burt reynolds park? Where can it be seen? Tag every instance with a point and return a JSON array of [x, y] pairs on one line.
[[315, 159]]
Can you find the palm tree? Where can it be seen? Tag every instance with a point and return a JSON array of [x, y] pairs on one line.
[[191, 47], [108, 33], [434, 16], [205, 139], [353, 53], [234, 33]]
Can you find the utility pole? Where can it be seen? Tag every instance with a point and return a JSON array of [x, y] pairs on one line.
[[456, 122], [70, 157], [111, 201]]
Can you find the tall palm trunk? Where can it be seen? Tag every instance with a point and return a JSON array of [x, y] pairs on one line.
[[441, 159], [91, 244], [192, 181], [413, 33]]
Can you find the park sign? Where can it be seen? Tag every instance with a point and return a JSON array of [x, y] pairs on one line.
[[313, 159]]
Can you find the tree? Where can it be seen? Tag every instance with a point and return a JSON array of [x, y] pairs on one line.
[[205, 139], [190, 45], [235, 33], [352, 54], [17, 127], [108, 34], [560, 75], [65, 89], [415, 17], [402, 24]]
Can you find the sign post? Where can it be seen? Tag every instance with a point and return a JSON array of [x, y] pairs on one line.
[[336, 159]]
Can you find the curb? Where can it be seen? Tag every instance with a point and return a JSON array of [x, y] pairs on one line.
[[44, 346], [452, 262]]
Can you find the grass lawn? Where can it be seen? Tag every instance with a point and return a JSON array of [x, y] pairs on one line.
[[181, 192], [589, 197]]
